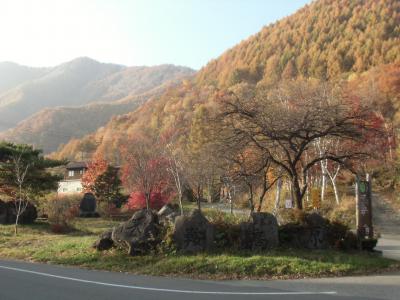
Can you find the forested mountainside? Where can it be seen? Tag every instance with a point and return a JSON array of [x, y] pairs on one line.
[[78, 82], [50, 128], [59, 92], [328, 39]]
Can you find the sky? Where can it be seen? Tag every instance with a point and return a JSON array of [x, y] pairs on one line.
[[131, 32]]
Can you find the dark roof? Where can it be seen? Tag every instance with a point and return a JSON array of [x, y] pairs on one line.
[[77, 165]]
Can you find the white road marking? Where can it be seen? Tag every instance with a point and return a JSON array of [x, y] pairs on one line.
[[164, 290]]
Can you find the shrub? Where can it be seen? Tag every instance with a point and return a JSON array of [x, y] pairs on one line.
[[167, 245], [61, 211], [108, 210], [343, 213], [349, 242], [291, 216], [368, 244], [226, 228], [137, 200], [337, 233]]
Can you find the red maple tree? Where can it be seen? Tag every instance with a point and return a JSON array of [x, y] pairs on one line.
[[95, 168], [144, 172]]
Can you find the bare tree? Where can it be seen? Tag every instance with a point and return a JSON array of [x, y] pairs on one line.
[[174, 167], [284, 133], [24, 172], [245, 163], [20, 171], [144, 167], [329, 169]]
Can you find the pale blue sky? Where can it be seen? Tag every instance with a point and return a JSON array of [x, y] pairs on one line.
[[131, 32]]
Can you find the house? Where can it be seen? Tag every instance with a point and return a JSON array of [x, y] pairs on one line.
[[72, 178]]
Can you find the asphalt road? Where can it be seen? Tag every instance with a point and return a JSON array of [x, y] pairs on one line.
[[22, 280]]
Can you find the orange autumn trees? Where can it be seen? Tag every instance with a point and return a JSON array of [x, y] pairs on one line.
[[95, 168], [284, 124]]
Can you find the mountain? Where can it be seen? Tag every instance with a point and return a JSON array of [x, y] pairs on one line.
[[78, 82], [134, 80], [52, 127], [48, 107], [327, 39], [65, 84], [12, 75]]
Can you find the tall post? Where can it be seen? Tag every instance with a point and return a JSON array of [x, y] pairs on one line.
[[364, 208]]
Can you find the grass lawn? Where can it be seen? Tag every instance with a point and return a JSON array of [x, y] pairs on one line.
[[37, 243]]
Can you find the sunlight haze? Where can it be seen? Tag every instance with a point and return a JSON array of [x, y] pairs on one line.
[[153, 32]]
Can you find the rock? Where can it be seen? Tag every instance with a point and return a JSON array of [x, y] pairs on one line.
[[104, 242], [8, 212], [261, 233], [140, 234], [167, 214], [315, 220], [314, 234], [318, 238], [349, 242], [87, 207], [165, 210], [193, 233]]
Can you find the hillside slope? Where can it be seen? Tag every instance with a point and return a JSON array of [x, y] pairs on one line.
[[12, 75], [78, 82], [51, 127], [328, 39]]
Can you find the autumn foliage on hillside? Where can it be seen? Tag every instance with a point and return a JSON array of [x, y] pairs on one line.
[[326, 39], [351, 46]]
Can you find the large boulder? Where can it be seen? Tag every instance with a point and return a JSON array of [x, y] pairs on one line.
[[167, 214], [104, 242], [313, 234], [87, 206], [8, 212], [261, 233], [193, 233], [140, 234]]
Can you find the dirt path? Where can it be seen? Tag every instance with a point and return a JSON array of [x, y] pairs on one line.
[[385, 218], [386, 221]]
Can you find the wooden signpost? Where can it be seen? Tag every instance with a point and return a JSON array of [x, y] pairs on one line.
[[364, 208]]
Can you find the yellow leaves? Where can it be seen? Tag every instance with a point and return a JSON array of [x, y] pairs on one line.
[[316, 198]]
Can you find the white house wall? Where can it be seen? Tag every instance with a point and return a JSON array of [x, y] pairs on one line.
[[69, 186]]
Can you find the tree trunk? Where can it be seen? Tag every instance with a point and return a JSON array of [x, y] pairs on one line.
[[180, 203], [198, 197], [278, 195], [332, 178], [251, 202], [16, 226], [335, 190], [209, 191], [296, 190], [147, 201], [323, 183], [230, 202], [264, 191]]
